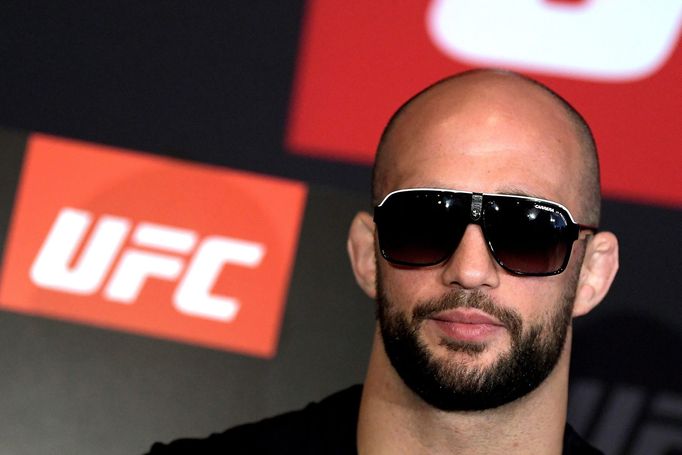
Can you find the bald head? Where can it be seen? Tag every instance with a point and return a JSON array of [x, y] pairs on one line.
[[492, 100]]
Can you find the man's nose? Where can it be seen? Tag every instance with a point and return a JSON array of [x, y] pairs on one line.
[[472, 264]]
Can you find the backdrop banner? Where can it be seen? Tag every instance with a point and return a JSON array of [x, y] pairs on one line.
[[178, 181]]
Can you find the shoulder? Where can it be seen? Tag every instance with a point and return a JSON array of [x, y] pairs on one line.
[[327, 426], [575, 445]]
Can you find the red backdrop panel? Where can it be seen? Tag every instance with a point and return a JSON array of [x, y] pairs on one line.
[[619, 63]]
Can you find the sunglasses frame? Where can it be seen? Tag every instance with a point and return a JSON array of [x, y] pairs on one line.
[[477, 215]]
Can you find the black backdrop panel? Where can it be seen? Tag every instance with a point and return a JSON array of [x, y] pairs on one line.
[[209, 83]]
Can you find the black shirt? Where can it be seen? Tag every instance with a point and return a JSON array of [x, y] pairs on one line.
[[327, 427]]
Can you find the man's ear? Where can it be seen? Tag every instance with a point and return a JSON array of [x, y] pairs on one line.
[[599, 268], [361, 251]]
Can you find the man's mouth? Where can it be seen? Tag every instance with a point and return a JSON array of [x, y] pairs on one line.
[[467, 324]]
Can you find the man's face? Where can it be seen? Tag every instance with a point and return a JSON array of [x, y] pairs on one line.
[[466, 334]]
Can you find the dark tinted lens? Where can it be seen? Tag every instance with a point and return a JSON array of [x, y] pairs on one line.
[[527, 237], [419, 227]]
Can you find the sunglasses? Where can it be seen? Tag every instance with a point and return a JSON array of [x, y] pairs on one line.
[[420, 227]]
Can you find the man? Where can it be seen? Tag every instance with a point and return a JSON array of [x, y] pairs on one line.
[[482, 248]]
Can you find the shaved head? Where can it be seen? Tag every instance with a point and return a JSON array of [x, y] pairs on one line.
[[510, 97]]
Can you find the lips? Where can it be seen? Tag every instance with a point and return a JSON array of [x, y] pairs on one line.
[[467, 316], [464, 324]]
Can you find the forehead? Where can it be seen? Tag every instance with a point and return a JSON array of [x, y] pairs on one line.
[[486, 136]]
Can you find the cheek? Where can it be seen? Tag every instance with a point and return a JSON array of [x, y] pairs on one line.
[[405, 286], [536, 299]]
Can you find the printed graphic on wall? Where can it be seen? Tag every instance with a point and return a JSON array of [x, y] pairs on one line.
[[151, 245], [619, 62]]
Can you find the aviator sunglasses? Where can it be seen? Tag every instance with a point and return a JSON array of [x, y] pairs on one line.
[[420, 227]]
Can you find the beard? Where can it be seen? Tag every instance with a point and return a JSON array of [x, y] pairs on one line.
[[452, 385]]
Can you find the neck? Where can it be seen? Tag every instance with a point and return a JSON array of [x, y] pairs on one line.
[[393, 419]]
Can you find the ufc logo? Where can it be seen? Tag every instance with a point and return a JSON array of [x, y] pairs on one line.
[[600, 39], [56, 268]]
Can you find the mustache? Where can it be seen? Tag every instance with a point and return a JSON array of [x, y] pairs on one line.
[[469, 299]]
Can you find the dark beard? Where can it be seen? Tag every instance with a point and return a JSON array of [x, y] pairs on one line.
[[453, 386]]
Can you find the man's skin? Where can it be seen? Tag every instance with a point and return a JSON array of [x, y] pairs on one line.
[[484, 132]]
